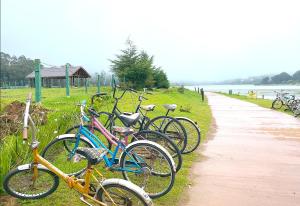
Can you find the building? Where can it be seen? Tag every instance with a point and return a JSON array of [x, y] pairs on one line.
[[56, 76]]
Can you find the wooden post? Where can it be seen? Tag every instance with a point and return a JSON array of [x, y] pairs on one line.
[[86, 85], [37, 79], [67, 80], [202, 94], [98, 83]]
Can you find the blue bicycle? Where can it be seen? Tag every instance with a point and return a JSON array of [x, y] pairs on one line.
[[145, 163]]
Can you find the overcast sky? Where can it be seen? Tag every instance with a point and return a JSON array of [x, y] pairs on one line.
[[191, 40]]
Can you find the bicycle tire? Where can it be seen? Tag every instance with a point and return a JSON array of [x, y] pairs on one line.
[[126, 187], [26, 171], [71, 167], [274, 105], [162, 140], [160, 178], [179, 138], [193, 134]]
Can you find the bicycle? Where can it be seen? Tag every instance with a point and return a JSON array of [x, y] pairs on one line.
[[192, 130], [41, 178], [139, 161], [283, 99], [165, 125], [109, 122]]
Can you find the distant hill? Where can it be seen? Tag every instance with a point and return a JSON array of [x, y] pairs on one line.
[[282, 78]]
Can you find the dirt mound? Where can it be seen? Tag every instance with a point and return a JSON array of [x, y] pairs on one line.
[[11, 118]]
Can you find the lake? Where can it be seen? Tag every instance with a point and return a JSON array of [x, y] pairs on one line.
[[266, 90]]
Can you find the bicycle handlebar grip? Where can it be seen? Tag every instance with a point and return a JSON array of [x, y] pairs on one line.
[[29, 96], [133, 90], [25, 133]]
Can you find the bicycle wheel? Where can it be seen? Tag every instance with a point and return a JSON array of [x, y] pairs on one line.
[[193, 134], [21, 182], [121, 192], [155, 172], [277, 104], [61, 156], [162, 140], [94, 130], [171, 127]]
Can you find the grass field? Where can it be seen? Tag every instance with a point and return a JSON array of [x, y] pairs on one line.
[[266, 103], [61, 116]]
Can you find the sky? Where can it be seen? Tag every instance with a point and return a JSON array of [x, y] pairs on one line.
[[191, 40]]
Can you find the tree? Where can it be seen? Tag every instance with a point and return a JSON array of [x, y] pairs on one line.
[[283, 77], [135, 68], [15, 68], [296, 76], [265, 80], [160, 78]]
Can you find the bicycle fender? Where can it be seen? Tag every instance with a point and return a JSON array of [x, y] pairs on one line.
[[73, 136], [188, 119], [130, 185], [28, 166]]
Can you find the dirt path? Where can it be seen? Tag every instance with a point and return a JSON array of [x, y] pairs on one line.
[[252, 159]]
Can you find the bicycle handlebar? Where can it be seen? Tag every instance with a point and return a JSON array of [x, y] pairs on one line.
[[97, 95], [26, 116], [125, 90]]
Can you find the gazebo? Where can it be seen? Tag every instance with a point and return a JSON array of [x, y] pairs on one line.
[[56, 76]]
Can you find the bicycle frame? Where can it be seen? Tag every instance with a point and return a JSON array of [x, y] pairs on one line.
[[72, 182], [96, 142]]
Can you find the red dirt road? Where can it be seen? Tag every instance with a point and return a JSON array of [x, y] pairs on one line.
[[252, 159]]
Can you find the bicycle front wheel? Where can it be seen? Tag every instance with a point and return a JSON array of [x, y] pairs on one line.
[[22, 183], [150, 166], [59, 152], [277, 104], [122, 193]]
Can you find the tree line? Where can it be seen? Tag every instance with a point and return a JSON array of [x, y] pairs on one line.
[[282, 78], [15, 68]]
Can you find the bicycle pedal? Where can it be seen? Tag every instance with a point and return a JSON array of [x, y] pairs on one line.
[[84, 201]]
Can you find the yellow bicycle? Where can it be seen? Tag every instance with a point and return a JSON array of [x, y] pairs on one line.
[[40, 178]]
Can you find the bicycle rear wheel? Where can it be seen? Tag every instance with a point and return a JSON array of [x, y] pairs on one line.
[[22, 183], [170, 127], [193, 134]]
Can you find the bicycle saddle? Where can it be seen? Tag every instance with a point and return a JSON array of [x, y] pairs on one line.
[[123, 131], [130, 120], [148, 107], [171, 107], [93, 155]]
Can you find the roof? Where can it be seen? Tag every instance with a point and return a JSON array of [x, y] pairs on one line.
[[60, 72]]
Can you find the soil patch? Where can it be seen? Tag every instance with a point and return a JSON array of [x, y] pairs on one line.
[[11, 118]]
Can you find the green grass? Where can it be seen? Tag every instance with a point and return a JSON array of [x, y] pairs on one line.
[[266, 103], [62, 110]]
